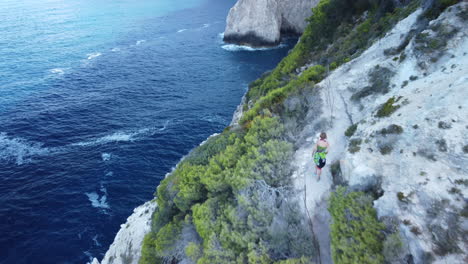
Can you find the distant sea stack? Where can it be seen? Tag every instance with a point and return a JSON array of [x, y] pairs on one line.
[[260, 23]]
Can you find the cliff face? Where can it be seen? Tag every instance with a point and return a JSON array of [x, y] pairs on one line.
[[126, 248], [409, 145], [261, 22]]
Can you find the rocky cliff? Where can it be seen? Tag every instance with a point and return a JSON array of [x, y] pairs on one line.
[[126, 248], [406, 144], [261, 22]]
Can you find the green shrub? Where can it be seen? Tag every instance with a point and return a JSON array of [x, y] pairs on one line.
[[355, 145], [385, 149], [388, 107], [351, 130], [356, 234], [391, 129], [193, 251]]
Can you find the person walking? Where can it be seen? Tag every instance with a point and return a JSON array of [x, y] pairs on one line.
[[319, 153]]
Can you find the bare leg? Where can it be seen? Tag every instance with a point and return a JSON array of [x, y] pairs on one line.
[[319, 172]]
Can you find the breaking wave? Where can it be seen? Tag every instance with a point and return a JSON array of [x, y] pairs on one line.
[[93, 55], [235, 48], [19, 150]]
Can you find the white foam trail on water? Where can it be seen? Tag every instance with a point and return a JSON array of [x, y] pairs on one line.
[[123, 136], [97, 201], [19, 150], [214, 119], [106, 156], [116, 137], [96, 242], [58, 71], [93, 55], [140, 42], [181, 30], [235, 48]]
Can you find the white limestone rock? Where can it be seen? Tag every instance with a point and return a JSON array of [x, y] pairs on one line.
[[260, 23], [126, 248]]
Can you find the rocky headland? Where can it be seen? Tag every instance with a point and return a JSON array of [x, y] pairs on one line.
[[261, 23]]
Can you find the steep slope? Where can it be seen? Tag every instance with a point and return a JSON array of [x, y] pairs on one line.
[[415, 156]]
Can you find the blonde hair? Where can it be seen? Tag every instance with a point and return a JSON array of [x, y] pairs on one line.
[[323, 135]]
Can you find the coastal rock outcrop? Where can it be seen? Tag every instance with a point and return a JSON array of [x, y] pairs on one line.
[[261, 22], [126, 247]]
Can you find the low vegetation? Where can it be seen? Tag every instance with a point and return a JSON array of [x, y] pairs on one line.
[[388, 107], [355, 145], [351, 130], [356, 234]]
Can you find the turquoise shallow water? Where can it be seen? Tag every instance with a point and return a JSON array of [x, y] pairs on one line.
[[98, 101]]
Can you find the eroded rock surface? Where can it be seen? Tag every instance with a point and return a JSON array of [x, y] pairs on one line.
[[261, 22]]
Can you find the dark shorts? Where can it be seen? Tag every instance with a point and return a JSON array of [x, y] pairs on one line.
[[321, 163]]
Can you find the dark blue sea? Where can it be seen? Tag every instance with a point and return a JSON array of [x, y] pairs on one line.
[[99, 99]]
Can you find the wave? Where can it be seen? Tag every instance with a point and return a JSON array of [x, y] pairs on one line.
[[205, 25], [96, 242], [181, 30], [123, 137], [115, 49], [215, 119], [116, 137], [235, 48], [98, 201], [57, 71], [140, 42], [93, 55], [19, 150], [106, 156]]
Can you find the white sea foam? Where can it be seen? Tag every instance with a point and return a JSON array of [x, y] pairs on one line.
[[116, 137], [140, 42], [19, 150], [206, 25], [96, 242], [93, 55], [214, 119], [181, 30], [221, 35], [57, 71], [109, 174], [235, 48], [98, 201], [106, 156], [122, 136], [115, 49]]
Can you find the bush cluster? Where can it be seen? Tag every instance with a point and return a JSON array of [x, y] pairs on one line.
[[356, 234], [230, 190]]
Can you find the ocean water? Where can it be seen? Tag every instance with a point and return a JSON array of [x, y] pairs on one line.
[[99, 99]]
